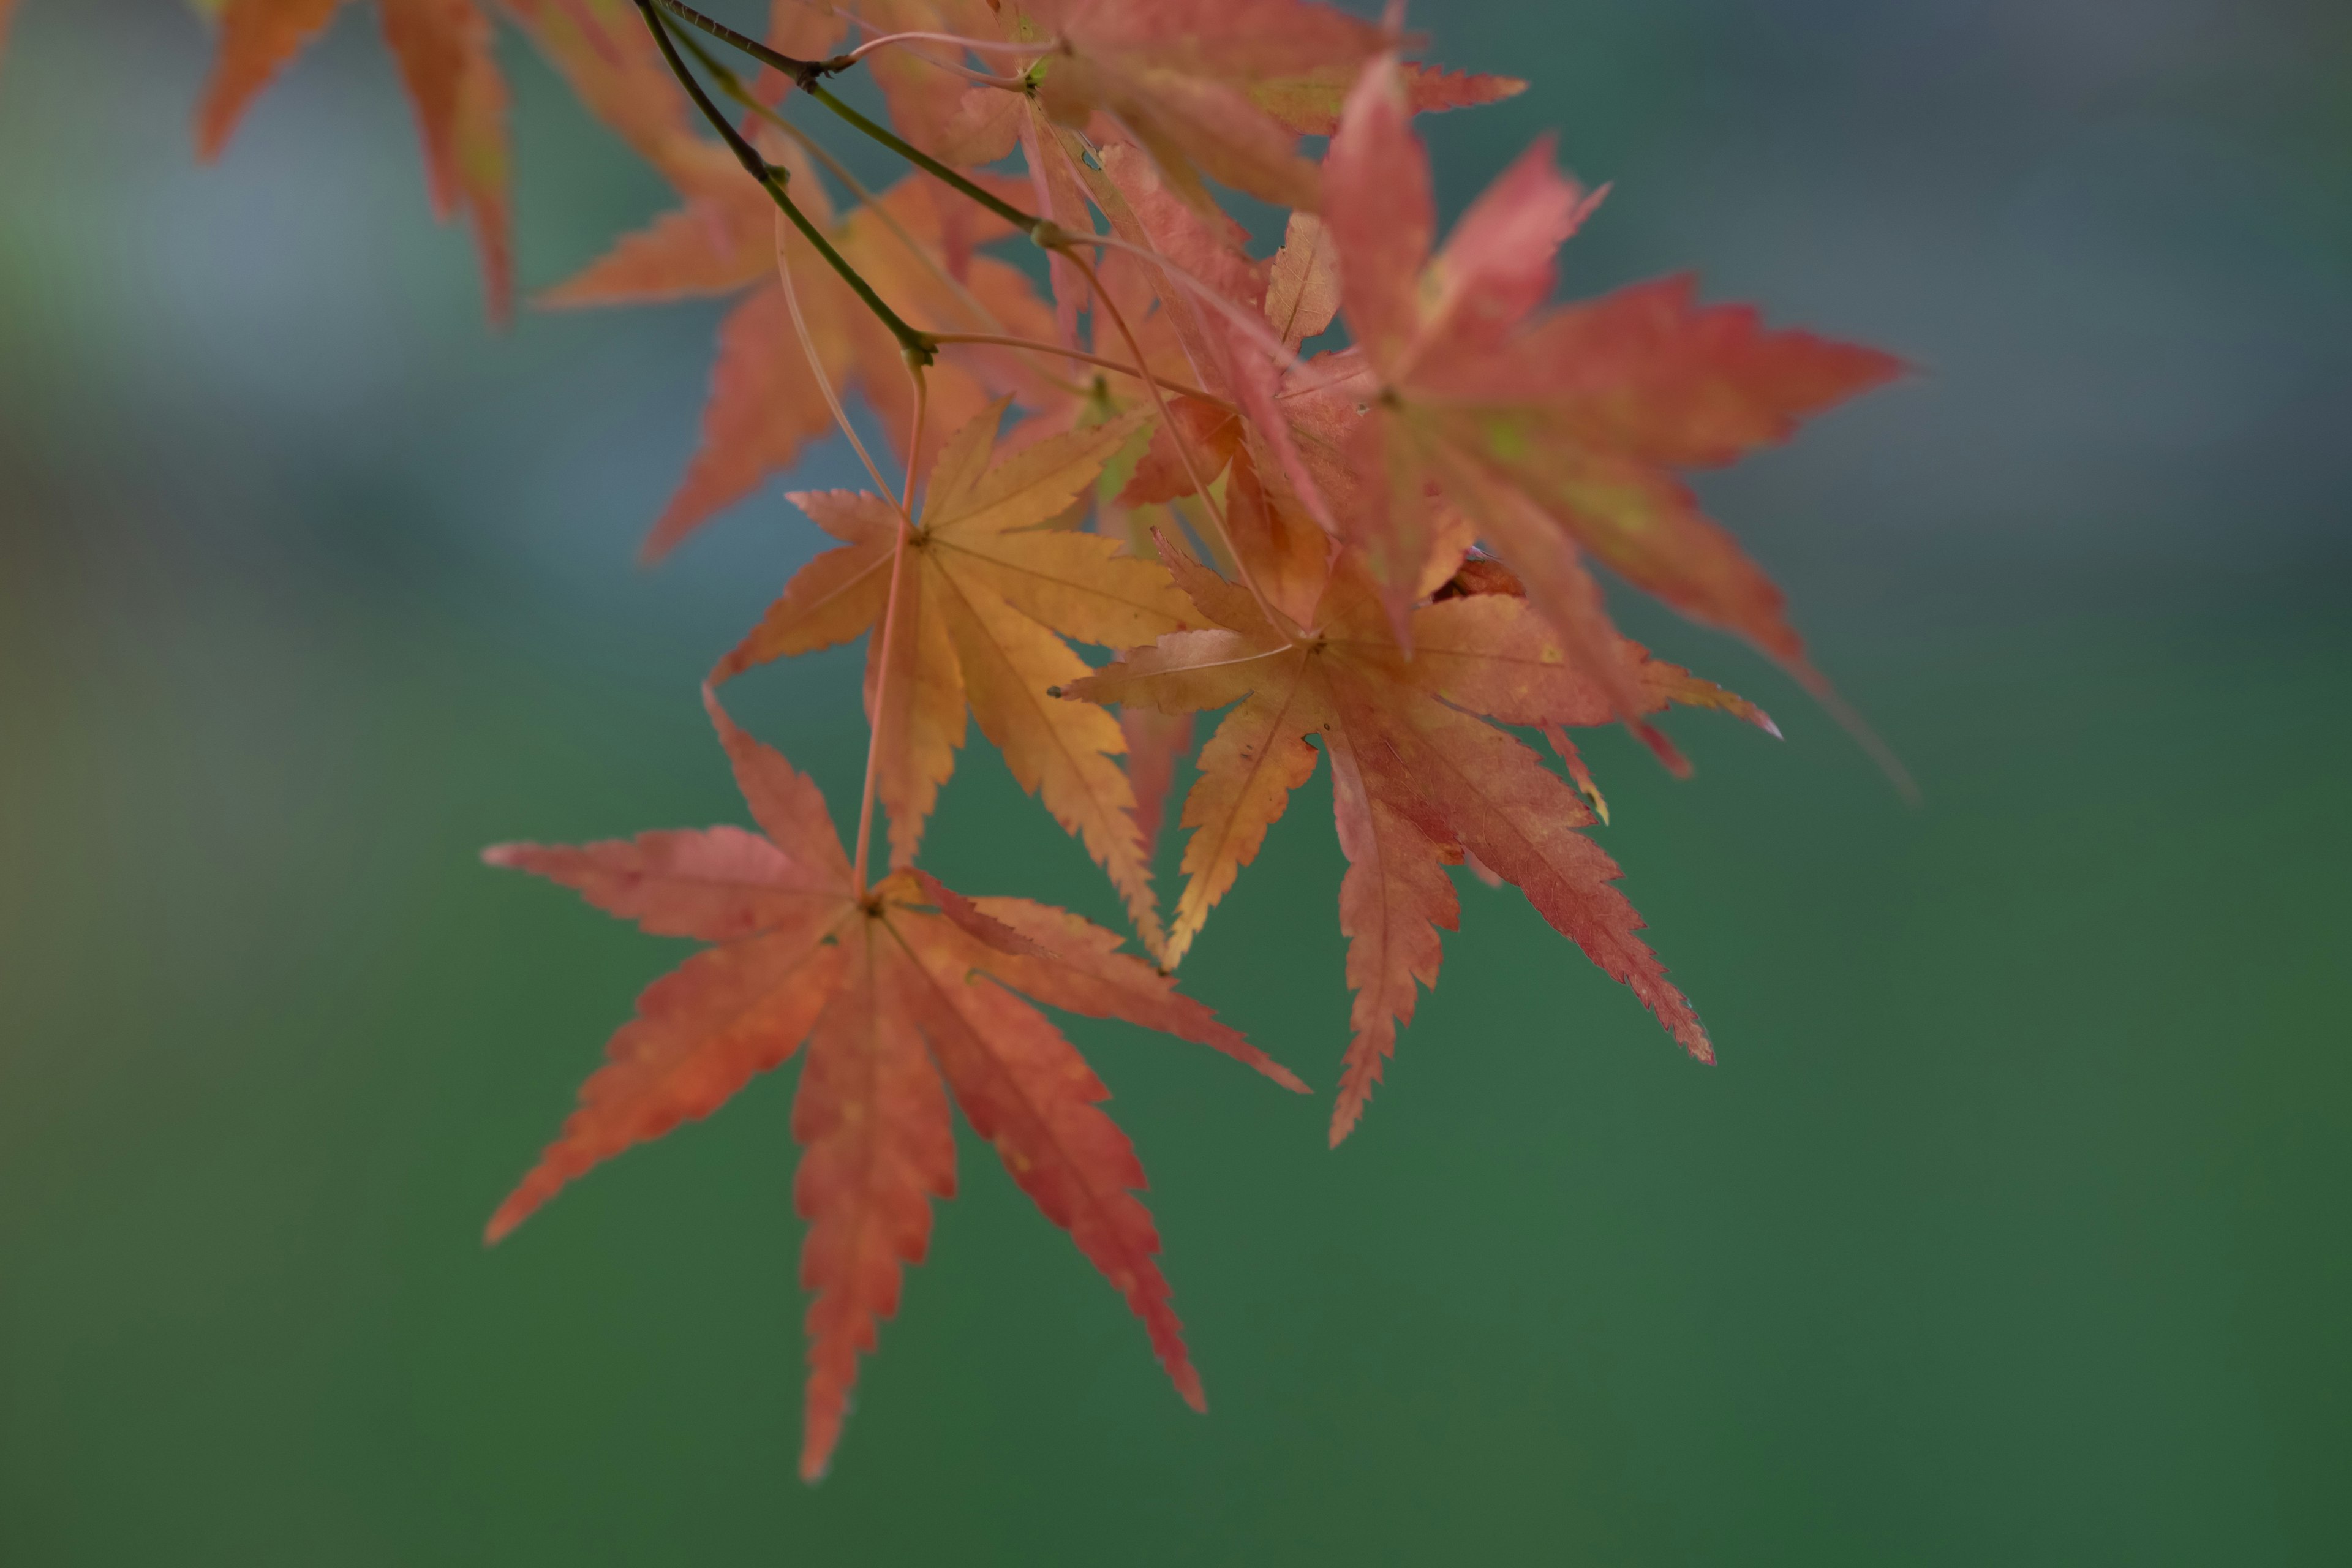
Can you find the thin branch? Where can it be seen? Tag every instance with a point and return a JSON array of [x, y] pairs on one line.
[[808, 74], [816, 367], [1022, 221], [1175, 434], [798, 69], [732, 85], [772, 180]]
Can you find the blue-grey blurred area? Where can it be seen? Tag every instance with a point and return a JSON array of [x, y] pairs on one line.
[[2010, 1228]]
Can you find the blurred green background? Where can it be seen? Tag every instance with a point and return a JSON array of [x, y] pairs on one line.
[[2009, 1230]]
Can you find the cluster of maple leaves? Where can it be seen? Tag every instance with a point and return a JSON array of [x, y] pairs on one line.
[[1380, 554]]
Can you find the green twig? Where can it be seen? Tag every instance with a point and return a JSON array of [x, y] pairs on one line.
[[916, 345], [922, 160], [801, 71], [807, 75]]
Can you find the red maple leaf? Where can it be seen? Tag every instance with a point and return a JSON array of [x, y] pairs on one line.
[[1220, 88], [1558, 431], [905, 994], [1419, 776]]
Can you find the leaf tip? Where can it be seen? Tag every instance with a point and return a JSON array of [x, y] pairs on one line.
[[1666, 750]]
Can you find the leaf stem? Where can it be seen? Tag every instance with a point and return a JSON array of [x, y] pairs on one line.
[[978, 46], [816, 366], [1039, 346], [731, 85], [889, 630], [806, 75]]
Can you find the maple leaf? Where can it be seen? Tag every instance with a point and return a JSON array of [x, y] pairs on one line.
[[443, 50], [904, 995], [985, 599], [1219, 89], [1420, 777], [1558, 431], [766, 405], [1280, 545]]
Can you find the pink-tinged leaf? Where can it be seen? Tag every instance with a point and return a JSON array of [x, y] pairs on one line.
[[984, 127], [805, 30], [1393, 901], [765, 407], [1419, 782], [696, 251], [1209, 436], [1027, 1092], [888, 994], [977, 923], [831, 600], [1649, 374], [1497, 264], [871, 1118], [1311, 104], [702, 1032], [609, 58], [1518, 818], [1577, 772], [716, 884], [257, 38], [450, 65], [786, 802], [1557, 584], [1054, 178], [1155, 743], [1381, 213], [1085, 972]]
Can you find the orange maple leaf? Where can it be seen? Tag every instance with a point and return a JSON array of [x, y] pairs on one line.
[[1419, 777], [444, 49], [893, 990], [985, 598]]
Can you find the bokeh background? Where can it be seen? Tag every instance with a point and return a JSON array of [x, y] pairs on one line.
[[2010, 1228]]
